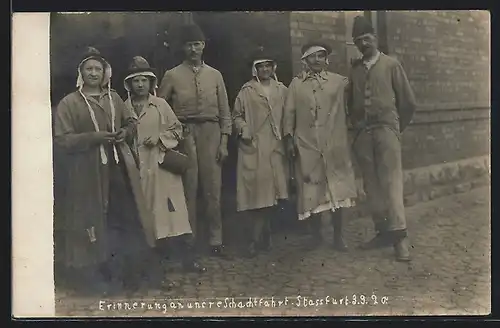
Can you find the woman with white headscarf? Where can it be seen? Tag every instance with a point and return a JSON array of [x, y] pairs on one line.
[[159, 131], [315, 129], [262, 164], [104, 205]]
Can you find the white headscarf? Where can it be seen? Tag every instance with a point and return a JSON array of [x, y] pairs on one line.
[[105, 81], [258, 61], [310, 51]]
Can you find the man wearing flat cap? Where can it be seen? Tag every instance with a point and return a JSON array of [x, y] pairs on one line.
[[381, 104], [198, 96], [315, 131]]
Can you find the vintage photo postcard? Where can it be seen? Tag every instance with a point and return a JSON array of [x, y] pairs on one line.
[[292, 163]]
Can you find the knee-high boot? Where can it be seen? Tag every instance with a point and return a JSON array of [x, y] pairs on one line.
[[338, 236], [315, 225]]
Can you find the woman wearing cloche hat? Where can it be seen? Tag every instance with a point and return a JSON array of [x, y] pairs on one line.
[[158, 132]]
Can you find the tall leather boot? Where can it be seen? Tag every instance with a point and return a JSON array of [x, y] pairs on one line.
[[266, 242], [338, 238], [255, 222], [315, 225]]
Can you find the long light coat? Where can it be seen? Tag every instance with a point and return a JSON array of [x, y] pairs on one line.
[[316, 118], [164, 191], [86, 200], [262, 169]]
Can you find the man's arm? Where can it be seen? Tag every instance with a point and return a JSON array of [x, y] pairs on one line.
[[348, 93], [224, 111], [239, 115], [405, 98], [166, 88]]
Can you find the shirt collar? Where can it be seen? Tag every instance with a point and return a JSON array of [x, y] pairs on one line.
[[259, 87], [372, 61], [311, 75], [195, 68], [151, 101]]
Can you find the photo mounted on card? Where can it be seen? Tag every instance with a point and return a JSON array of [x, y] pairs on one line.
[[278, 164]]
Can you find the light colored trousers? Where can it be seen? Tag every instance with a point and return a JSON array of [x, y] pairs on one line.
[[378, 152], [202, 141]]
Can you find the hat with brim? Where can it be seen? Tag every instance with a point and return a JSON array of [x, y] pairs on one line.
[[315, 46], [140, 67], [261, 55]]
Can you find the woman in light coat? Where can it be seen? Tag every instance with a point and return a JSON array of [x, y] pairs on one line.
[[315, 129], [158, 131], [262, 164]]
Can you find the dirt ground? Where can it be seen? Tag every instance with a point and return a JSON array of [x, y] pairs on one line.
[[449, 274]]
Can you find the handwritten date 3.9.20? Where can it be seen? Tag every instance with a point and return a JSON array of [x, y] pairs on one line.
[[355, 299]]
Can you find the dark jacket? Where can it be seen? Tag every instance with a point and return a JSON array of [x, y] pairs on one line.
[[381, 95]]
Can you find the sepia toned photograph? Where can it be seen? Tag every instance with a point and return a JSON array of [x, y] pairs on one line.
[[291, 163]]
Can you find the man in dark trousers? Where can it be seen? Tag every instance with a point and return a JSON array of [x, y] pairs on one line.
[[198, 96], [381, 104]]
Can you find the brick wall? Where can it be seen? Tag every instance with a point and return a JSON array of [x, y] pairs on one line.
[[441, 142], [446, 57], [445, 53]]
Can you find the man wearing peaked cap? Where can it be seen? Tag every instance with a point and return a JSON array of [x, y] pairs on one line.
[[380, 115], [315, 132], [198, 97], [262, 166], [159, 130]]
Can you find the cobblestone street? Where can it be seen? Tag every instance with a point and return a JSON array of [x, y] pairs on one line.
[[449, 274]]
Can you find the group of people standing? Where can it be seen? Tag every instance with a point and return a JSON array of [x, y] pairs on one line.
[[121, 201]]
